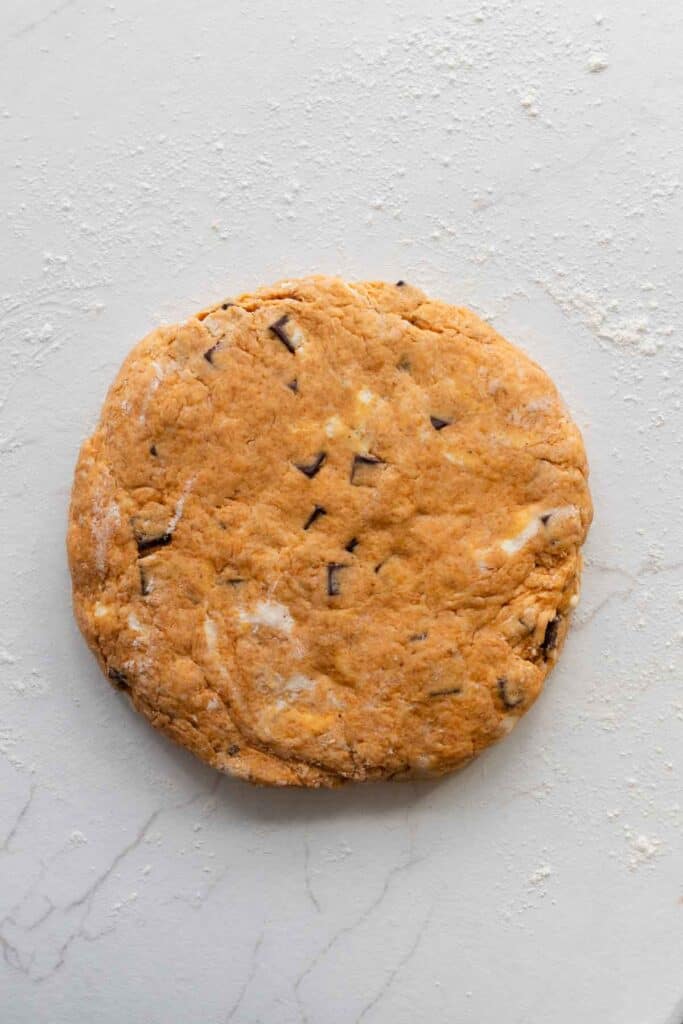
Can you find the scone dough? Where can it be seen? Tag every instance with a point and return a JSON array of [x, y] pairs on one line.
[[327, 531]]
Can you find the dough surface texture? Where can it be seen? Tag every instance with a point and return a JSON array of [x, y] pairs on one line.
[[328, 532]]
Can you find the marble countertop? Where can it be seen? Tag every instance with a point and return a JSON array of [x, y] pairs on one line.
[[524, 159]]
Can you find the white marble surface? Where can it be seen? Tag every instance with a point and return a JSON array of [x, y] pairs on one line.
[[524, 158]]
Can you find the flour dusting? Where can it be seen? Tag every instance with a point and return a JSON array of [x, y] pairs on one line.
[[103, 524], [271, 614], [180, 505]]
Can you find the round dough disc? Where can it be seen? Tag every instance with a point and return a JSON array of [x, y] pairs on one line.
[[329, 531]]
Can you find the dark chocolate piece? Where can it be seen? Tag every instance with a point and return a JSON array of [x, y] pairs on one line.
[[227, 305], [229, 576], [417, 636], [545, 517], [233, 749], [310, 469], [400, 284], [438, 423], [146, 544], [318, 511], [145, 588], [333, 570], [550, 636], [294, 385], [118, 678], [364, 460], [153, 450], [445, 693], [278, 329], [209, 354], [352, 545], [508, 698]]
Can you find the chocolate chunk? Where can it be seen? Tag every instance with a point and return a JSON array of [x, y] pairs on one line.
[[293, 385], [145, 581], [153, 450], [118, 678], [146, 544], [333, 570], [233, 749], [352, 545], [438, 423], [400, 284], [445, 693], [227, 305], [362, 461], [278, 329], [310, 469], [317, 512], [510, 697], [417, 636], [550, 636], [229, 576], [544, 518], [209, 354]]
